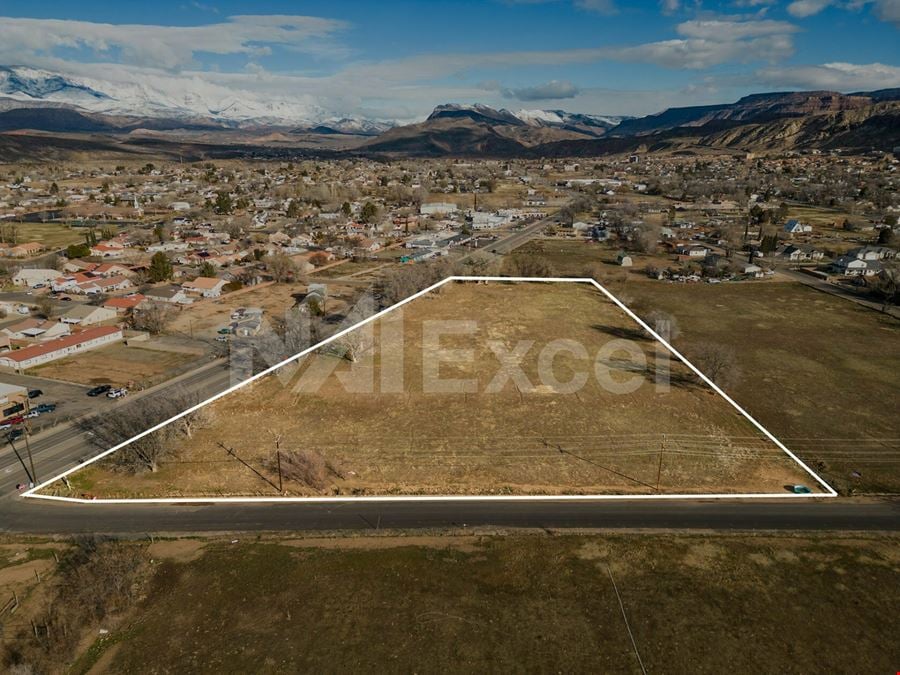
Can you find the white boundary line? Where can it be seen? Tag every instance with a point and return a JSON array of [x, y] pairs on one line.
[[829, 491]]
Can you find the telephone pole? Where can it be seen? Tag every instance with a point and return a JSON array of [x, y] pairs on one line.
[[27, 428]]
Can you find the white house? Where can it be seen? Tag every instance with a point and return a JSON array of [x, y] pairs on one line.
[[86, 315], [794, 226], [171, 294], [208, 287], [90, 338], [856, 267]]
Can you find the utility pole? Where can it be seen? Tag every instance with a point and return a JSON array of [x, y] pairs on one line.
[[21, 461], [280, 478], [27, 426]]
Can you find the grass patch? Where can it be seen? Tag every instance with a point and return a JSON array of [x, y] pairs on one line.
[[523, 603]]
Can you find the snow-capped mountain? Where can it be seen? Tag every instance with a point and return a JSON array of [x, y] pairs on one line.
[[561, 118], [557, 119], [172, 97]]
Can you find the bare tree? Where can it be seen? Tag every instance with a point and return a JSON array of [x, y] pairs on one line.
[[153, 317], [526, 265], [281, 267], [145, 453], [717, 362], [306, 467], [664, 324]]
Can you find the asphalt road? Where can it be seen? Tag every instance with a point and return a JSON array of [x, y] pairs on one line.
[[517, 239], [66, 445], [32, 516]]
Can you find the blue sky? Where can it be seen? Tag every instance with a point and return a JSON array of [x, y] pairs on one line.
[[399, 59]]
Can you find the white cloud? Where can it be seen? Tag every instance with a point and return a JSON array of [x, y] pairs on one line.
[[711, 42], [554, 89], [885, 10], [804, 8], [669, 6], [166, 46], [832, 76], [888, 10]]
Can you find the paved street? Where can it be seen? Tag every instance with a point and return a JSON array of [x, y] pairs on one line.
[[21, 515], [66, 445]]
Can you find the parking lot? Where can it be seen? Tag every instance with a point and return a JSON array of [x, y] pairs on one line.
[[71, 399]]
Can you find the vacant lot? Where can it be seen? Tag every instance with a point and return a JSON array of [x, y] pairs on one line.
[[582, 258], [822, 373], [202, 319], [136, 365], [388, 424], [51, 235], [523, 603]]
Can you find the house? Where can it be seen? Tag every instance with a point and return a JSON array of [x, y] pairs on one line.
[[208, 287], [872, 253], [754, 271], [107, 250], [794, 226], [86, 315], [125, 304], [34, 277], [172, 294], [26, 250], [801, 253], [111, 270], [692, 250], [856, 267], [36, 329], [90, 338]]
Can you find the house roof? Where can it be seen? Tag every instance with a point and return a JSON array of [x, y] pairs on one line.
[[81, 311], [51, 346], [204, 283], [164, 292], [128, 302]]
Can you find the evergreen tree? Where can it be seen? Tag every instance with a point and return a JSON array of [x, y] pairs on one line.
[[160, 267]]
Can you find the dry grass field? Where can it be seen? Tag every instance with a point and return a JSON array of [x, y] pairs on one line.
[[695, 603], [51, 235], [820, 372], [527, 436], [117, 365], [202, 319]]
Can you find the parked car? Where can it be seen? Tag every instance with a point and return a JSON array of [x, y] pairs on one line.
[[32, 414], [100, 389], [117, 393], [224, 331], [221, 338], [18, 419], [22, 309], [45, 408], [34, 393], [15, 434], [66, 298]]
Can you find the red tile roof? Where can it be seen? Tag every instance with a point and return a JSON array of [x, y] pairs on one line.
[[60, 343]]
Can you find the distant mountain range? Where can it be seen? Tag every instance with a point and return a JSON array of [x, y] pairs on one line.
[[760, 122], [140, 117]]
